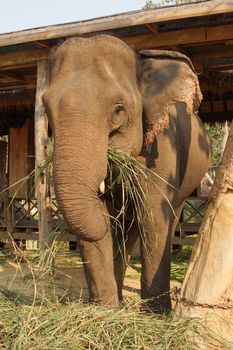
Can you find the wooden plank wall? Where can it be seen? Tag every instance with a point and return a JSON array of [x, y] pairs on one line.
[[18, 160], [3, 165]]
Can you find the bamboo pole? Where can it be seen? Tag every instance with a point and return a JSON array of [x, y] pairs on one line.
[[41, 141]]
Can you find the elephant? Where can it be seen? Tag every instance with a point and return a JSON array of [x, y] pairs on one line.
[[103, 94]]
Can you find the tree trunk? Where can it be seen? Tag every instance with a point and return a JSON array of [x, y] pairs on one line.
[[207, 289]]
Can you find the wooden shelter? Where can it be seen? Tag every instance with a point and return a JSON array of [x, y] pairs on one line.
[[203, 31]]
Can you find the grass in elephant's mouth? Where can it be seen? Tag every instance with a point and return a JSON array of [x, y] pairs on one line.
[[133, 178]]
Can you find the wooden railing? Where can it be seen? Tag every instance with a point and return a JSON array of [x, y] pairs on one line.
[[20, 218], [190, 220]]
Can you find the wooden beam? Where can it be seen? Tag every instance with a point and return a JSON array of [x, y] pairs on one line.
[[180, 37], [41, 141], [221, 67], [14, 77], [153, 27], [19, 66], [216, 116], [219, 105], [225, 52], [22, 58], [44, 44], [35, 236], [26, 98], [6, 80], [224, 31], [119, 21], [29, 58], [17, 87], [183, 240], [211, 88]]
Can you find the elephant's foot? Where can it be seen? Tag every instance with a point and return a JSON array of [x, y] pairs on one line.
[[156, 300], [102, 292], [108, 301], [157, 304]]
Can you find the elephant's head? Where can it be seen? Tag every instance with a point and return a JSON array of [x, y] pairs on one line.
[[95, 99]]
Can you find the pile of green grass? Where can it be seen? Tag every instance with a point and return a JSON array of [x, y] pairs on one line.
[[179, 266], [76, 325], [45, 322]]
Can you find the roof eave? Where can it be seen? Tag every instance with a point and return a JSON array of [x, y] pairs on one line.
[[128, 19]]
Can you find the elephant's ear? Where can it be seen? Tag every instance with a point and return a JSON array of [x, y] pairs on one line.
[[167, 77]]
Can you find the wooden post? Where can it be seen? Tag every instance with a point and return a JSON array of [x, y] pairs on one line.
[[41, 141]]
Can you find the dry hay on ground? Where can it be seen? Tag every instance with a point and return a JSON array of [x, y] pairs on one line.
[[64, 323]]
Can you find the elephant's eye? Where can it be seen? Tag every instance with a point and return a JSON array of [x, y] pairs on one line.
[[117, 116], [119, 107]]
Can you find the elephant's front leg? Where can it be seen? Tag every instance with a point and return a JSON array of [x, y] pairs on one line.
[[123, 247], [98, 265], [155, 256]]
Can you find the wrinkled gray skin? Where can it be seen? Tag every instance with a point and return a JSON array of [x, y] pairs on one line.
[[95, 99]]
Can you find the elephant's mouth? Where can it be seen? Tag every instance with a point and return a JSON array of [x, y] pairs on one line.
[[102, 187], [112, 194], [112, 181]]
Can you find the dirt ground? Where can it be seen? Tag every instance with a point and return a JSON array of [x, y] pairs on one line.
[[68, 282]]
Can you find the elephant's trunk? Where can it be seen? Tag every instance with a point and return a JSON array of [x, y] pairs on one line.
[[80, 165]]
